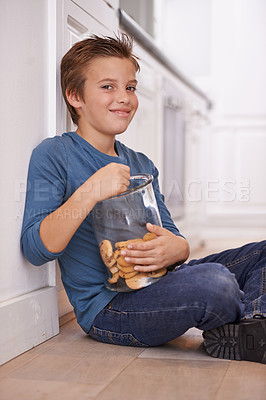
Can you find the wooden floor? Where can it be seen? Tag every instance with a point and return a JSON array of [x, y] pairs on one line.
[[73, 366]]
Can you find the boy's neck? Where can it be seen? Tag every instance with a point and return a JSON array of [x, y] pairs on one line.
[[104, 144]]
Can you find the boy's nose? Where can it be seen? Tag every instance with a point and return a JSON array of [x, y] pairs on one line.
[[122, 96]]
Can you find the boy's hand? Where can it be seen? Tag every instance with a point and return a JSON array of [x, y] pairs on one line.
[[167, 249], [108, 181]]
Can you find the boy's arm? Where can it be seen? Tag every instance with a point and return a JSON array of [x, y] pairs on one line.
[[49, 221], [57, 228]]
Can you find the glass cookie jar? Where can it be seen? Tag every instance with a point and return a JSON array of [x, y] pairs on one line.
[[121, 220]]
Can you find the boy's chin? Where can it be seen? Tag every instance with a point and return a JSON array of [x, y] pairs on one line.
[[120, 131]]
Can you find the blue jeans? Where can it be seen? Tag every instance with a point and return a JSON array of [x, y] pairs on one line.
[[205, 294]]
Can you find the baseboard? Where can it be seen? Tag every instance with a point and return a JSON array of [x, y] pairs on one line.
[[66, 318], [64, 306], [27, 321]]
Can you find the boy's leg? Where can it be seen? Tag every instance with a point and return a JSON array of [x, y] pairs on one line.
[[248, 264], [204, 296], [245, 340]]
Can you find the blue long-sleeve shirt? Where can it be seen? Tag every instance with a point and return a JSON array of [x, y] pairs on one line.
[[58, 166]]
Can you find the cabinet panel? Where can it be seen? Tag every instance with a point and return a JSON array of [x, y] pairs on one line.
[[250, 146], [105, 12], [143, 133], [233, 180], [78, 25], [173, 150]]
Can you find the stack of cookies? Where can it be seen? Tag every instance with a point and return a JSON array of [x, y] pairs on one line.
[[123, 272]]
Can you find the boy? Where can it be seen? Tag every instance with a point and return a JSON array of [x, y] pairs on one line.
[[69, 174]]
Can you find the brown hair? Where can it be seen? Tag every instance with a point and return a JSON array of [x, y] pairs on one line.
[[75, 61]]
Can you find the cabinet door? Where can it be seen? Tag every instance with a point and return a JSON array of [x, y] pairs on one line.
[[78, 25], [173, 150], [143, 132], [140, 133], [102, 11]]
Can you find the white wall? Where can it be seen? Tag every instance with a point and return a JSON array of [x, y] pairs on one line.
[[183, 31], [24, 123], [221, 44], [239, 58], [22, 105], [238, 137]]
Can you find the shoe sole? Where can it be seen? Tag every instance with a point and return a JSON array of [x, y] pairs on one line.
[[243, 341]]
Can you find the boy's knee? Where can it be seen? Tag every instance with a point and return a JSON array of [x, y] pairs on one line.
[[218, 281], [220, 292], [224, 293]]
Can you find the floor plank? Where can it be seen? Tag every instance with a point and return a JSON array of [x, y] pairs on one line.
[[244, 381], [14, 389], [187, 347], [157, 379]]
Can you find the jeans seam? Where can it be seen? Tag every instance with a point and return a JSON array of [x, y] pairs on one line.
[[239, 260], [262, 291], [111, 335], [164, 310], [263, 283], [176, 309]]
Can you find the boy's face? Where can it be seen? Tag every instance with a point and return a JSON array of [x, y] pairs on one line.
[[110, 101]]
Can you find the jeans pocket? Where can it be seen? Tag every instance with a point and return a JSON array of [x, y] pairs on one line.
[[122, 339]]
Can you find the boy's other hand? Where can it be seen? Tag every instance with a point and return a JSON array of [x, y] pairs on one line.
[[167, 249], [108, 181]]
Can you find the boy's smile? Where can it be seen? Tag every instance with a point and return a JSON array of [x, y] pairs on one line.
[[109, 100]]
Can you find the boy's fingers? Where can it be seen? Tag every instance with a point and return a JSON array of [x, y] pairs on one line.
[[142, 246], [136, 254], [158, 230], [145, 268], [124, 169], [139, 260]]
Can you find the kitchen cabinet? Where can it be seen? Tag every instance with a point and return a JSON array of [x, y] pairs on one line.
[[102, 11], [143, 132], [173, 149]]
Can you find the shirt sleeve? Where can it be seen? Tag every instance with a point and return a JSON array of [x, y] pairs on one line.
[[46, 185]]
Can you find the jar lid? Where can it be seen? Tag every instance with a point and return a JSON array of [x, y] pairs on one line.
[[134, 186]]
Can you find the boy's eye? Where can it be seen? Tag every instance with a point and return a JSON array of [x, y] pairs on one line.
[[131, 88], [108, 87]]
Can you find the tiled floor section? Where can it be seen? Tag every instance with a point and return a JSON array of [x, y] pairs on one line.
[[73, 366]]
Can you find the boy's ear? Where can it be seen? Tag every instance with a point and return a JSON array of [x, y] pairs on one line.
[[73, 98]]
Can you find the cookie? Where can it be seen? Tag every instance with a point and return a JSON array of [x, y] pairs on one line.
[[149, 236], [138, 281], [114, 269], [120, 245], [114, 278], [124, 269], [127, 275], [158, 273], [121, 259], [107, 253]]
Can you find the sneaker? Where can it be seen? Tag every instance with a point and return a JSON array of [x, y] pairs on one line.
[[245, 340]]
